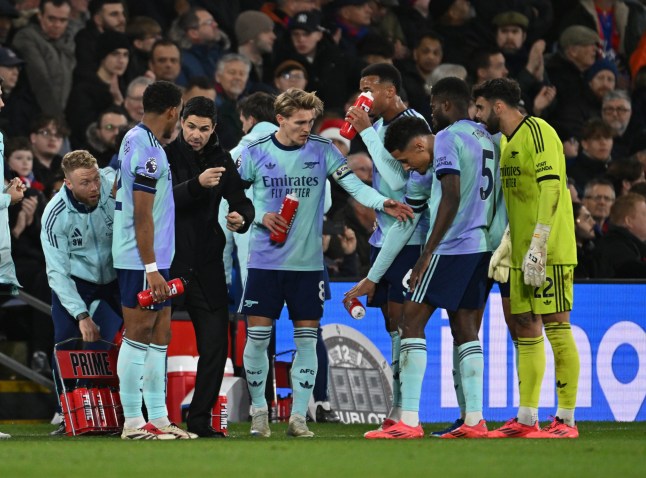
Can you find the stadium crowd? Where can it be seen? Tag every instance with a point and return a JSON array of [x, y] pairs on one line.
[[75, 71]]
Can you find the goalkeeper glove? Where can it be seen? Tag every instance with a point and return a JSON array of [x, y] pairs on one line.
[[501, 259], [536, 257]]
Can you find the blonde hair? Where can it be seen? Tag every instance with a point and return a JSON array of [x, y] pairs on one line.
[[295, 99], [77, 159]]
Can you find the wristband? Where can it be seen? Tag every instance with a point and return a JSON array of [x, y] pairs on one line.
[[152, 267], [82, 316]]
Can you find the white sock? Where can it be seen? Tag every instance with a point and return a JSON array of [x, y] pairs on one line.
[[567, 415], [473, 418], [410, 418], [255, 410], [527, 415], [160, 422], [395, 414], [134, 422]]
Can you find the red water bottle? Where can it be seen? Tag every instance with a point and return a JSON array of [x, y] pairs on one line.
[[364, 101], [145, 297], [288, 212], [355, 308]]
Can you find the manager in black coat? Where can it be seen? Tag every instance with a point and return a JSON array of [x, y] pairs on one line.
[[203, 173]]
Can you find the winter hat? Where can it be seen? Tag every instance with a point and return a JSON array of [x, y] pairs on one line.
[[109, 41], [251, 23], [331, 128], [600, 65]]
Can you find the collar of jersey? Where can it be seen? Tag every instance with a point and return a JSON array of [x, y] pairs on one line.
[[282, 146], [79, 206]]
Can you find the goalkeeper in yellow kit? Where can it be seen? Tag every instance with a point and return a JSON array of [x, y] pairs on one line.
[[543, 256]]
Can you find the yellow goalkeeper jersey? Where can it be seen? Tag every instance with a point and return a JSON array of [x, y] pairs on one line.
[[532, 154]]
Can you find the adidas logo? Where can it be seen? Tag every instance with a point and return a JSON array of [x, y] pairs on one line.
[[560, 385], [306, 384], [77, 237], [547, 302], [256, 384], [270, 165]]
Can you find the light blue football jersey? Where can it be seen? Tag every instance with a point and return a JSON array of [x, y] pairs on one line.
[[275, 171], [142, 155], [467, 149], [389, 178]]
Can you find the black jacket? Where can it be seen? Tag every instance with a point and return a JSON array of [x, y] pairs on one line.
[[621, 255], [199, 239]]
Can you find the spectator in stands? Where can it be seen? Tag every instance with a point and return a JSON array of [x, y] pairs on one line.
[[20, 161], [46, 135], [461, 32], [578, 52], [624, 174], [329, 70], [593, 159], [416, 72], [525, 63], [621, 253], [386, 24], [415, 20], [487, 64], [355, 216], [599, 79], [602, 79], [105, 15], [19, 104], [282, 11], [7, 14], [352, 20], [27, 252], [331, 129], [231, 76], [48, 51], [585, 236], [101, 136], [374, 48], [133, 103], [201, 43], [616, 111], [93, 94], [199, 86], [446, 70], [165, 62], [290, 74], [255, 36], [638, 150], [10, 65], [142, 32], [619, 23], [599, 196], [79, 15]]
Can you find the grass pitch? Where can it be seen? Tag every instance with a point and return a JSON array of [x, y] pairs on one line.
[[605, 449]]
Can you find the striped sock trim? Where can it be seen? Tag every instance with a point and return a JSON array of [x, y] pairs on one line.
[[306, 333], [159, 348], [469, 351], [136, 345]]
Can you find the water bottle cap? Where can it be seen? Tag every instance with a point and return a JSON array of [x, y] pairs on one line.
[[368, 94]]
